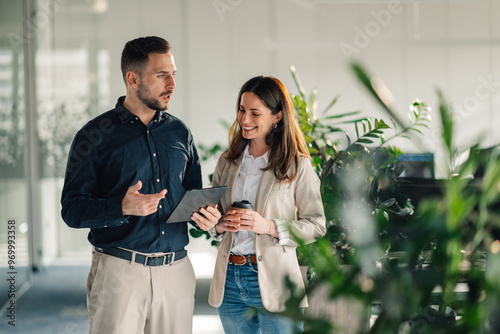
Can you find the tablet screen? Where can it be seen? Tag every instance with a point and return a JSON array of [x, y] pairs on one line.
[[195, 199]]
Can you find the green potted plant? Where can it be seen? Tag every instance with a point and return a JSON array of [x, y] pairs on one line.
[[406, 265], [369, 155]]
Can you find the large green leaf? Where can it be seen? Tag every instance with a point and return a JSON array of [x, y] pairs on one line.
[[297, 82], [446, 122]]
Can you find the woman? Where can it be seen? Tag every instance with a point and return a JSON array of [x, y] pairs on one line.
[[267, 164]]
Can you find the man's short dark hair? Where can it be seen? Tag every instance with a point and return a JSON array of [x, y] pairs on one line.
[[136, 52]]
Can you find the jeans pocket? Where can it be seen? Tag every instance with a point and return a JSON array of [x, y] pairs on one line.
[[254, 267]]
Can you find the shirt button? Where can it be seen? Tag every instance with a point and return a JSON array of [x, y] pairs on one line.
[[259, 258], [137, 118], [148, 131], [154, 154], [131, 121], [157, 180], [160, 206], [107, 225], [162, 232]]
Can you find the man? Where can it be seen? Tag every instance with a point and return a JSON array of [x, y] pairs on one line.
[[127, 169]]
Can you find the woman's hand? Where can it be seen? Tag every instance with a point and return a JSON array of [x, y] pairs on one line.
[[208, 218], [230, 222], [252, 221]]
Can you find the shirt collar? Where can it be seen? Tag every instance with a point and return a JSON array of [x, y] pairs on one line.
[[125, 115], [264, 157]]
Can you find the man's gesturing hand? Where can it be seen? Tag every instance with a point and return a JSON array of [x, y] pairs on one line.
[[136, 204]]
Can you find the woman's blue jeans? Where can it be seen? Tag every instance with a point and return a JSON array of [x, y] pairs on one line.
[[242, 311]]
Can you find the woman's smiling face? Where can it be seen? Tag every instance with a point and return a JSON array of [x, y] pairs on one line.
[[256, 120]]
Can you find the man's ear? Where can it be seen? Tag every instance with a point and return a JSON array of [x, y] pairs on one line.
[[132, 79]]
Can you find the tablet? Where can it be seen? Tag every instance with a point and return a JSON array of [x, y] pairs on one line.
[[193, 200]]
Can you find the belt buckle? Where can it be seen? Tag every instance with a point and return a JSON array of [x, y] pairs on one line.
[[147, 258], [167, 258], [244, 260]]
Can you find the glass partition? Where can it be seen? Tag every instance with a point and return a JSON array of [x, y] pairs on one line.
[[14, 220]]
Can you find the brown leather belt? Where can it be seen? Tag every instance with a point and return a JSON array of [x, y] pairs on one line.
[[240, 260]]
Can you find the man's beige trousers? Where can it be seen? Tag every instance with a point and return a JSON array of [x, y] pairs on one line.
[[130, 298]]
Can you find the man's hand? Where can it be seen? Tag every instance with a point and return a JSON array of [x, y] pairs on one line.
[[208, 218], [137, 204]]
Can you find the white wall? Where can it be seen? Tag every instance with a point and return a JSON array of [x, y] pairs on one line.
[[418, 47]]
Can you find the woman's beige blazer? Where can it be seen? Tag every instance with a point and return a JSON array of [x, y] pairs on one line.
[[299, 203]]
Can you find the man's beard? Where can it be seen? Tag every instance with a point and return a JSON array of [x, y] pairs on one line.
[[151, 103]]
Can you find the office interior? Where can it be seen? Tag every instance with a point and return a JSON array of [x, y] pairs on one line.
[[59, 67]]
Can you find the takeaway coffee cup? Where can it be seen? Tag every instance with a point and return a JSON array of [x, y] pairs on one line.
[[242, 205], [239, 206]]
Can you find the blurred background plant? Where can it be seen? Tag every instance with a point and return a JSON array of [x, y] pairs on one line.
[[58, 123], [412, 255], [369, 158], [57, 126]]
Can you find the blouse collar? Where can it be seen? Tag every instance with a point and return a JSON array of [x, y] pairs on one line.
[[265, 156]]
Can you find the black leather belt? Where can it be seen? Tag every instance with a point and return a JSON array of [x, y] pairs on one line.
[[144, 259]]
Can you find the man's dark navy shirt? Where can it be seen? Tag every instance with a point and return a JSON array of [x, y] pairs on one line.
[[110, 154]]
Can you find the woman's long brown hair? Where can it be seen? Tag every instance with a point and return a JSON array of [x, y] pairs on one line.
[[286, 141]]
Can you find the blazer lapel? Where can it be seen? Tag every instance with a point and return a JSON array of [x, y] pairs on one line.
[[230, 180]]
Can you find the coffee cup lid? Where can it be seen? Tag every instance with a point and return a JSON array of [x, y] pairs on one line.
[[242, 205]]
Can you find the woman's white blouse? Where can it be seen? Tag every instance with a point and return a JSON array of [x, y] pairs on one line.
[[246, 186]]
